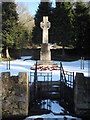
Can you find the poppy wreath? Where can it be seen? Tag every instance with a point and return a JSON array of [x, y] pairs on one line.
[[48, 68]]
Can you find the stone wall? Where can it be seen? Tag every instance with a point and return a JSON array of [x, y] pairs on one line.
[[15, 94], [82, 95]]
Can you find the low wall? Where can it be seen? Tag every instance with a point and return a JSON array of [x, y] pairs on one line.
[[15, 94], [82, 95]]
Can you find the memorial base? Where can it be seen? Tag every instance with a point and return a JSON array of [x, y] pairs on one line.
[[43, 62], [45, 65], [45, 53]]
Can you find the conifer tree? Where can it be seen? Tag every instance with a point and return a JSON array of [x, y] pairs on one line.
[[9, 24], [82, 25], [44, 9], [0, 29], [63, 23]]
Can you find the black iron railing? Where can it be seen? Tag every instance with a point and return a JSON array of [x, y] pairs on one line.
[[39, 80], [66, 77]]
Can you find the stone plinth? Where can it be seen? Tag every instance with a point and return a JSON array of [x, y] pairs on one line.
[[45, 54], [44, 62]]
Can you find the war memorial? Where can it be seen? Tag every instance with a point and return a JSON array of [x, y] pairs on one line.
[[22, 97]]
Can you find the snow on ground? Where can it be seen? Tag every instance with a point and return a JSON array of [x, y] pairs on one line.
[[24, 64], [52, 116], [76, 67], [17, 66], [52, 105], [56, 110]]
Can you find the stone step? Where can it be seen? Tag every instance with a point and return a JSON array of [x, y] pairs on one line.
[[50, 89], [53, 96], [48, 83]]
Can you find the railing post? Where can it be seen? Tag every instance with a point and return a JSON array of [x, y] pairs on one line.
[[35, 81], [60, 70], [44, 78], [47, 76], [51, 76], [60, 80]]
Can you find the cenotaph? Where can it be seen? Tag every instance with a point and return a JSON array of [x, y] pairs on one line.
[[45, 53]]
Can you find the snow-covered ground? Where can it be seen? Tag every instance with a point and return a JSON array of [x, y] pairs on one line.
[[52, 105], [24, 65], [51, 116], [57, 112]]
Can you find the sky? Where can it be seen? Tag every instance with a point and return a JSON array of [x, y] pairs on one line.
[[32, 5]]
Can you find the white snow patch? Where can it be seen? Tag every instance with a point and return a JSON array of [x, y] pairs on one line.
[[24, 65], [54, 106], [51, 115]]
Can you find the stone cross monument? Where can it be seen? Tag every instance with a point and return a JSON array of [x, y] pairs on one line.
[[45, 25], [45, 54]]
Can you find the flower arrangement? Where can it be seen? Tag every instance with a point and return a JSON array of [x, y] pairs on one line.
[[51, 68], [46, 67]]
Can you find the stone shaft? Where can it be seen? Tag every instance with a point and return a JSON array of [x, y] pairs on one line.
[[45, 54]]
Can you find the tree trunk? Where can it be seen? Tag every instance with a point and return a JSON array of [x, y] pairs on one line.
[[0, 55], [0, 50], [7, 52]]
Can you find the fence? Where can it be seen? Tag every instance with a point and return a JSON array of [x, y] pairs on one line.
[[42, 81], [45, 76], [67, 87]]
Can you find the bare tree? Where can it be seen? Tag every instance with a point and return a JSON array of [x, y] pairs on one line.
[[25, 18]]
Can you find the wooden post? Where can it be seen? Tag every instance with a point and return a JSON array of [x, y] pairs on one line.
[[81, 62]]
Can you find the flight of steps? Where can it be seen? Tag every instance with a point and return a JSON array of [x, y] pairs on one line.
[[49, 90]]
